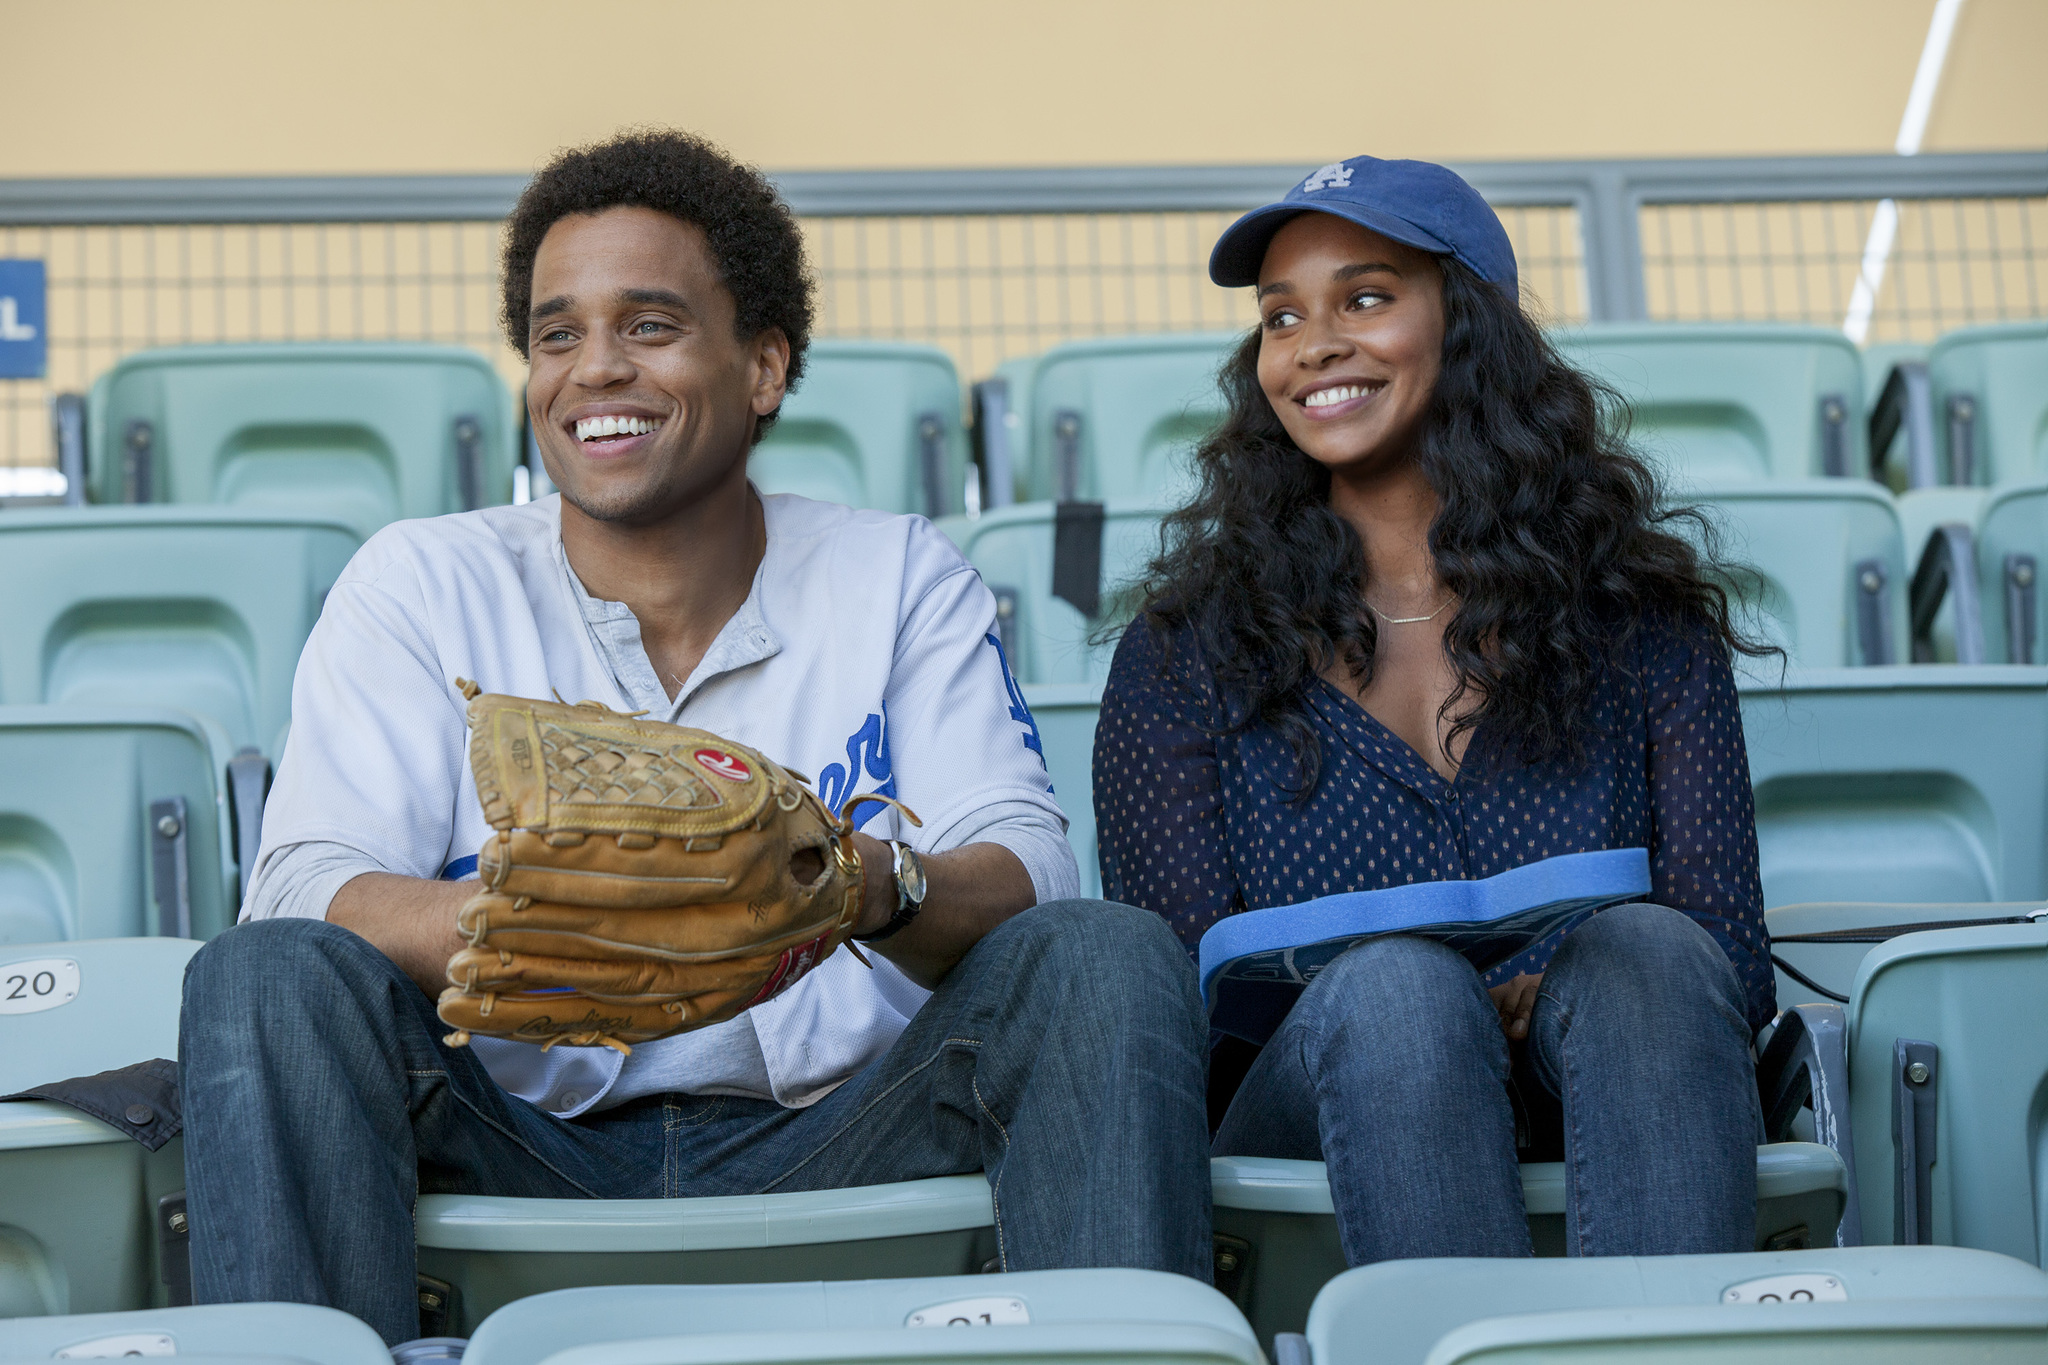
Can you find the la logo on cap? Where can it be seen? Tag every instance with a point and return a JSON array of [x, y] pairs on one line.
[[1336, 175]]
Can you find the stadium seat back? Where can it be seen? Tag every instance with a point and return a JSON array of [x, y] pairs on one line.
[[1980, 996], [874, 424], [92, 1005], [1716, 402], [1137, 1315], [243, 1331], [205, 609], [77, 1195], [1065, 715], [1280, 1222], [1826, 573], [1991, 401], [1833, 965], [1047, 638], [2012, 552], [1406, 1312], [88, 848], [360, 432], [496, 1250], [1908, 783], [1991, 1331], [1113, 419]]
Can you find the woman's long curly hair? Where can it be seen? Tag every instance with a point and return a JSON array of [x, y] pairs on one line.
[[1550, 531]]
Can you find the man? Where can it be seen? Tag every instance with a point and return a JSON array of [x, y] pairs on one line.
[[659, 293]]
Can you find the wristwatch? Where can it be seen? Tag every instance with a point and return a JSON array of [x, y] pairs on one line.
[[909, 869]]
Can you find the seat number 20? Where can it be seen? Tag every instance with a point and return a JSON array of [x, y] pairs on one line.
[[37, 984]]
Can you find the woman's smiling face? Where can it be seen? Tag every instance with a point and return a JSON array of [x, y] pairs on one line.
[[1351, 337]]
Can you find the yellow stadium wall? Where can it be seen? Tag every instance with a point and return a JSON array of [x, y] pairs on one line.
[[235, 87]]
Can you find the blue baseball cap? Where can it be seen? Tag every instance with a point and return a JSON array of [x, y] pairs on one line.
[[1416, 203]]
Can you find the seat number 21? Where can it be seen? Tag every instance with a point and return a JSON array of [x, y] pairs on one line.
[[998, 1311]]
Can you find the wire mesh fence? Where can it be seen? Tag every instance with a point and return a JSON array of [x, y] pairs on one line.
[[983, 287], [988, 286], [118, 289], [1954, 263]]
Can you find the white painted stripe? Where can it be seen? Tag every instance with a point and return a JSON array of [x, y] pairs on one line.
[[1884, 224]]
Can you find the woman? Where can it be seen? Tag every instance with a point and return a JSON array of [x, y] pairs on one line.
[[1424, 621]]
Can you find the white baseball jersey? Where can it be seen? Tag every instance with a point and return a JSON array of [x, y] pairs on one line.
[[865, 655]]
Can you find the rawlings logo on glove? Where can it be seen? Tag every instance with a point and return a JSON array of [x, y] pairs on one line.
[[644, 878]]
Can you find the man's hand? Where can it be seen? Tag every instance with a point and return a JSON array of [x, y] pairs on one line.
[[968, 892], [1516, 1000]]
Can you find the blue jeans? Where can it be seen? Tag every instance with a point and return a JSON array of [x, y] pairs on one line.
[[1063, 1056], [1393, 1069]]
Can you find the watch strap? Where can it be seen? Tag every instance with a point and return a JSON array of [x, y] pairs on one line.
[[906, 908]]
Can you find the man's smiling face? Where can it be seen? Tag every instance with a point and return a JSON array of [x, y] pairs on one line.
[[642, 399]]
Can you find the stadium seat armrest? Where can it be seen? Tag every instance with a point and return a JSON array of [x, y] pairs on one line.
[[992, 440], [1948, 568], [1907, 400], [469, 462], [1291, 1348], [248, 789], [1806, 1065], [931, 465], [67, 416]]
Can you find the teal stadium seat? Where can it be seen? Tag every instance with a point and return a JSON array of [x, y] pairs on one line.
[[1855, 1306], [1930, 1083], [1829, 964], [1906, 783], [241, 1332], [2011, 547], [1281, 1213], [1141, 1316], [495, 1250], [1990, 388], [1715, 403], [1047, 638], [1979, 996], [1984, 425], [1981, 1330], [113, 823], [874, 424], [77, 1196], [205, 609], [1829, 559], [1065, 715], [360, 432], [1112, 419]]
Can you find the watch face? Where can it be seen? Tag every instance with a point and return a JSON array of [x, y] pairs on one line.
[[910, 876]]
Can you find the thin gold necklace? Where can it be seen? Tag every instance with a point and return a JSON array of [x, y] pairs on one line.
[[1408, 620]]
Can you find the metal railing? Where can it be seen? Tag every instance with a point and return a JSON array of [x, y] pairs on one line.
[[993, 264]]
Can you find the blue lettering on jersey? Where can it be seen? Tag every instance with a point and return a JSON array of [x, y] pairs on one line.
[[1019, 712], [459, 869], [867, 751]]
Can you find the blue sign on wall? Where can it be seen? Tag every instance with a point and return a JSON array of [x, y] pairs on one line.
[[24, 339]]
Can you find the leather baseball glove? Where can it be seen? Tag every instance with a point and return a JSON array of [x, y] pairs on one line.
[[644, 879]]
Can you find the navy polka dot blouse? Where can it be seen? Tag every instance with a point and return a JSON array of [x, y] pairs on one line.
[[1197, 825]]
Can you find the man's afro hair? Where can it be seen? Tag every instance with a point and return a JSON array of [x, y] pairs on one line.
[[754, 237]]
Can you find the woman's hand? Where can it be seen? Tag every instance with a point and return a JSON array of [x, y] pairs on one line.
[[1515, 1000]]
